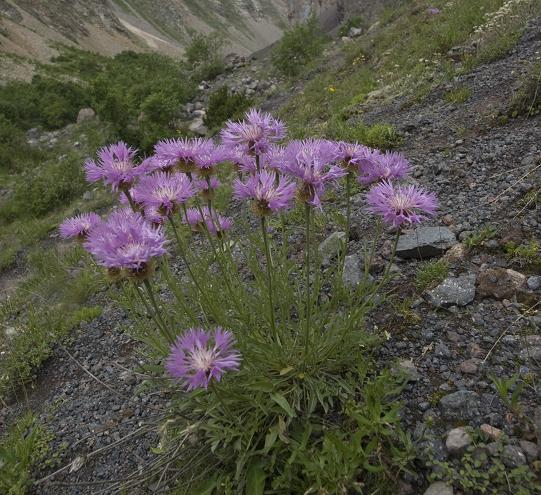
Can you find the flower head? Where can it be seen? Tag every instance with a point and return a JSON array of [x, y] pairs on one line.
[[180, 152], [125, 241], [115, 166], [205, 219], [270, 192], [207, 187], [198, 357], [164, 192], [243, 162], [349, 154], [378, 166], [401, 204], [79, 226], [314, 163], [254, 134], [207, 156]]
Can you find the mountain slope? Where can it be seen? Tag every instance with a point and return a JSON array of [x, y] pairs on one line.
[[28, 28]]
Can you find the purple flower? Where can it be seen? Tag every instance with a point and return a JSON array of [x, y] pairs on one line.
[[433, 11], [314, 163], [401, 204], [270, 192], [349, 154], [181, 152], [153, 216], [199, 357], [378, 167], [243, 162], [153, 163], [125, 241], [207, 156], [115, 166], [164, 192], [79, 226], [207, 187], [205, 219], [254, 134], [274, 158]]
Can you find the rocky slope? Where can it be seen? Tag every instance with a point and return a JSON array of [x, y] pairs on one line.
[[483, 321]]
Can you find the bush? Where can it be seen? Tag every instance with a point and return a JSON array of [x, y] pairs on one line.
[[204, 55], [382, 136], [223, 105], [44, 102], [353, 22], [300, 45], [45, 188], [527, 100]]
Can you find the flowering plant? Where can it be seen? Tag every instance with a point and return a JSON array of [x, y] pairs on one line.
[[256, 354]]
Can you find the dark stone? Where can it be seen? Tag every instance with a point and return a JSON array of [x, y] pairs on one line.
[[463, 405], [425, 242]]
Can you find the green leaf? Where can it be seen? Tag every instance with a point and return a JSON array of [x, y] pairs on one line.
[[283, 403], [206, 487], [255, 480]]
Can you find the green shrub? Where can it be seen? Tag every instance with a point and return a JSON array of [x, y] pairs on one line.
[[41, 190], [431, 273], [300, 45], [353, 22], [204, 55], [24, 448], [223, 105], [458, 95], [381, 136], [527, 100], [43, 102]]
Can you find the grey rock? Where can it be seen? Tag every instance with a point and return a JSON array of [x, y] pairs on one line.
[[513, 456], [85, 115], [331, 246], [530, 450], [534, 282], [425, 242], [197, 126], [354, 32], [458, 291], [354, 271], [461, 405], [409, 369], [439, 488], [457, 441]]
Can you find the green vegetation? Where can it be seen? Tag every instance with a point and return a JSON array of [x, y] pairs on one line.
[[479, 471], [525, 254], [458, 95], [55, 300], [223, 105], [24, 448], [204, 55], [298, 46], [527, 100], [381, 136], [431, 273], [353, 22], [479, 238]]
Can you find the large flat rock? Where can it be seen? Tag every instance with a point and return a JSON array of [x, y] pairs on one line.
[[425, 242]]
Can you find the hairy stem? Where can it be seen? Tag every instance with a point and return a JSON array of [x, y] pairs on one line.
[[308, 303], [269, 277]]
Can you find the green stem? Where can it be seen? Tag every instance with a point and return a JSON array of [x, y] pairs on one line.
[[307, 211], [269, 277], [179, 296], [348, 206], [155, 314], [130, 199]]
